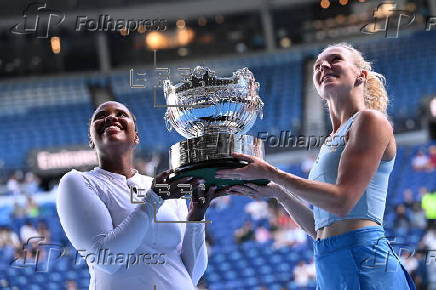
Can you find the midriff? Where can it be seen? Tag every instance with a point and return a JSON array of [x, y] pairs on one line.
[[343, 226]]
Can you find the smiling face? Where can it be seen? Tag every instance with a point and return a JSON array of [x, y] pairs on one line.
[[112, 124], [335, 71]]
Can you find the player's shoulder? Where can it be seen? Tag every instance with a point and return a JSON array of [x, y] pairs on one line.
[[370, 115], [75, 177], [369, 119], [71, 175]]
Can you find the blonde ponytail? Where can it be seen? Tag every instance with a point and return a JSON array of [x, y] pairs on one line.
[[375, 95]]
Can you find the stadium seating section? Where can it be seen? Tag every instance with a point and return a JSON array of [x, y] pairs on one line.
[[231, 266], [28, 108]]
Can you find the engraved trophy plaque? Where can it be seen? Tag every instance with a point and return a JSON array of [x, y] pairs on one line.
[[213, 114]]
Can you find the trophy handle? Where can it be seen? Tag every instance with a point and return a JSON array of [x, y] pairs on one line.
[[167, 88], [167, 123]]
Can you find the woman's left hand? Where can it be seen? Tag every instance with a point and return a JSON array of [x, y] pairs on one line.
[[271, 190], [255, 169]]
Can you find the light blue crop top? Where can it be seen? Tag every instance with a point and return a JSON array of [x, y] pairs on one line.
[[325, 169]]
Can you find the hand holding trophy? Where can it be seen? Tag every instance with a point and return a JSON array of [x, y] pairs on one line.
[[213, 113]]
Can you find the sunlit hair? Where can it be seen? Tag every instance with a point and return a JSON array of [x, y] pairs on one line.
[[375, 94]]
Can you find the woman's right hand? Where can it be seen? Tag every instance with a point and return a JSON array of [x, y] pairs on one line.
[[174, 189]]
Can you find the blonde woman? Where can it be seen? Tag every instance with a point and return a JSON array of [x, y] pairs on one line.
[[347, 185]]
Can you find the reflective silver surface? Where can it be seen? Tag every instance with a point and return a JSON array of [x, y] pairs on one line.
[[213, 147], [206, 104]]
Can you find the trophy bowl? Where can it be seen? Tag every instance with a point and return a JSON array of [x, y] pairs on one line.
[[213, 114]]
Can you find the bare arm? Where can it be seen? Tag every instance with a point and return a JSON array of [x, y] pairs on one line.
[[293, 205], [299, 212], [359, 161], [368, 140]]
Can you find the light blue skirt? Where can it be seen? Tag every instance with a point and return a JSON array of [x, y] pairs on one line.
[[361, 259]]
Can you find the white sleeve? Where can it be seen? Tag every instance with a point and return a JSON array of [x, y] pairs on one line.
[[194, 251], [88, 223]]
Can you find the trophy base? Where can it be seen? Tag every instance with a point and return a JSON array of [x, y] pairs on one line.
[[206, 170]]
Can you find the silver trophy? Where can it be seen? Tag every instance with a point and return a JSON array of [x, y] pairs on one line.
[[213, 114]]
